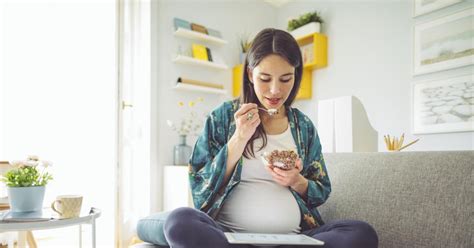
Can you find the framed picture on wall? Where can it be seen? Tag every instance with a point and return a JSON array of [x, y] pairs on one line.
[[425, 6], [444, 43], [444, 106]]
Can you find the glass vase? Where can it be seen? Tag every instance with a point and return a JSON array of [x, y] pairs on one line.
[[182, 152]]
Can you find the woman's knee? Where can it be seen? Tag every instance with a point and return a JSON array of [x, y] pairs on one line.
[[180, 221], [366, 233]]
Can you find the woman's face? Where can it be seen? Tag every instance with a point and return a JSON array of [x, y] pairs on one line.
[[273, 78]]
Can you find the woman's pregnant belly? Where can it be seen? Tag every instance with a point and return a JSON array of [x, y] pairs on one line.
[[260, 206]]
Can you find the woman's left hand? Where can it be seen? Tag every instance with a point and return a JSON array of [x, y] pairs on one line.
[[290, 178]]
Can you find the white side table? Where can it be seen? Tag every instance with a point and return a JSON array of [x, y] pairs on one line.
[[177, 191], [23, 227]]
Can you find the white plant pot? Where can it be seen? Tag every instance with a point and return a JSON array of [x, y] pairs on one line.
[[312, 27]]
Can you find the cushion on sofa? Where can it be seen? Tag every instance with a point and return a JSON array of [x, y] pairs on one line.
[[150, 229]]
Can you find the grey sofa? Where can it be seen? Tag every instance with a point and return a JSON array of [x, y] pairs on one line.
[[413, 199]]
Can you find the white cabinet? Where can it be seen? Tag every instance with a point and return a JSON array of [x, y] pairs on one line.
[[177, 192]]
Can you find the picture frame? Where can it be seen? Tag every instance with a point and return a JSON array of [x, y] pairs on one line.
[[422, 7], [444, 43], [444, 106]]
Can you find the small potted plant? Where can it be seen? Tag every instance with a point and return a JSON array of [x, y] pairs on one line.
[[245, 43], [26, 183], [305, 24]]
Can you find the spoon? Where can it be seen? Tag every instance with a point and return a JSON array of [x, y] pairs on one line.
[[270, 112]]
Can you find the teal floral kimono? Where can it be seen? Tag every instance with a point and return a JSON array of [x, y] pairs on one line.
[[208, 163]]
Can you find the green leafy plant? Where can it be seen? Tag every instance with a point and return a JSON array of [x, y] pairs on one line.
[[304, 19], [27, 174], [245, 43]]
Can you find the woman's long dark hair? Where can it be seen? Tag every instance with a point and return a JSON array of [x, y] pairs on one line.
[[269, 41]]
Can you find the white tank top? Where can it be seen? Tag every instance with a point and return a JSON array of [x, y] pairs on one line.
[[257, 203]]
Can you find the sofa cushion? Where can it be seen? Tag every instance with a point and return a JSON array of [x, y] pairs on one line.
[[150, 229], [412, 199]]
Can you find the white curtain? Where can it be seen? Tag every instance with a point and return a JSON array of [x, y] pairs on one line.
[[59, 95], [134, 117]]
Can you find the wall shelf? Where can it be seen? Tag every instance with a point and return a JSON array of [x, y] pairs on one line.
[[190, 34], [186, 60], [316, 48], [217, 65], [195, 88], [237, 74]]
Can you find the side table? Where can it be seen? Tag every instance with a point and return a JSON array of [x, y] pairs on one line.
[[28, 234], [24, 227]]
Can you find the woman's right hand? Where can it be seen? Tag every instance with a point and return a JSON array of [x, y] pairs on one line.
[[246, 121]]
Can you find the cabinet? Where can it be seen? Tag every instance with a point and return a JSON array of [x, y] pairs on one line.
[[203, 64], [177, 191], [314, 51]]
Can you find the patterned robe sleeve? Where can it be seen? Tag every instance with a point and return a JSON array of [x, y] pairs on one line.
[[208, 161], [319, 186]]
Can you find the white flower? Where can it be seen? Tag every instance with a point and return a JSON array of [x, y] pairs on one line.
[[31, 163], [190, 121], [17, 163], [33, 158], [46, 163]]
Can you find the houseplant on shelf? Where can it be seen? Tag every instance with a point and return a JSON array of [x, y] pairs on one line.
[[305, 24], [190, 124], [245, 43], [26, 184]]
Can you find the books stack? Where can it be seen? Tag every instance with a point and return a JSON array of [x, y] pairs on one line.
[[180, 23], [199, 28], [201, 52]]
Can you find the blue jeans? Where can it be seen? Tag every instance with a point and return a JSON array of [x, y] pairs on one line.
[[188, 227]]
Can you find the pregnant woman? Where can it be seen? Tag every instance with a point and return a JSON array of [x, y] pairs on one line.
[[233, 191]]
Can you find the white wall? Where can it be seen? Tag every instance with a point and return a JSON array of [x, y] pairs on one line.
[[370, 56], [231, 18]]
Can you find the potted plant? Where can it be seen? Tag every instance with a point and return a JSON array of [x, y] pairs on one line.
[[245, 43], [26, 184], [305, 24]]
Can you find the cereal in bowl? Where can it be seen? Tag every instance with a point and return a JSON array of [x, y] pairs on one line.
[[283, 159]]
